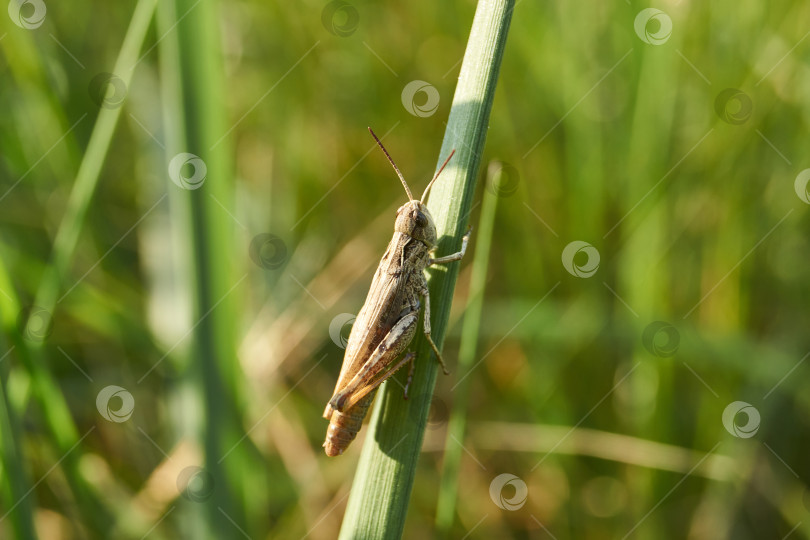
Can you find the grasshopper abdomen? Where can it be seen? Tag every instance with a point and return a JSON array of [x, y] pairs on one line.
[[343, 426]]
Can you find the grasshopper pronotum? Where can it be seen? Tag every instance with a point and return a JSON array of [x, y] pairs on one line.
[[387, 322]]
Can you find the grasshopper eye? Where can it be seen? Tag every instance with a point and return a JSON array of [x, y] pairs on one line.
[[421, 220]]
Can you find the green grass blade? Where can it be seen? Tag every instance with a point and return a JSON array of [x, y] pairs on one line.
[[46, 391], [382, 486], [466, 357], [84, 187], [209, 231], [16, 484], [14, 474]]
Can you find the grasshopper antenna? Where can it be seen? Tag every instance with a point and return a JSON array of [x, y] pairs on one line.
[[404, 183], [427, 189]]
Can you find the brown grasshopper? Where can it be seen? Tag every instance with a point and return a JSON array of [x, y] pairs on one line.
[[386, 324]]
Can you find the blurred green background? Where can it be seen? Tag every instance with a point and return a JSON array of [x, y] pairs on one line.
[[676, 153]]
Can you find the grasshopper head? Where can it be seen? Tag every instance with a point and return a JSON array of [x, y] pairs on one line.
[[413, 217], [414, 220]]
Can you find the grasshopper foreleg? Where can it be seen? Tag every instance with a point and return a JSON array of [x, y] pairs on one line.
[[455, 256]]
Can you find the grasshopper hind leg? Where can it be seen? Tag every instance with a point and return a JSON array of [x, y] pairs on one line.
[[380, 365]]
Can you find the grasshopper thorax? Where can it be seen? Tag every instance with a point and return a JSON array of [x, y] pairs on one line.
[[414, 220]]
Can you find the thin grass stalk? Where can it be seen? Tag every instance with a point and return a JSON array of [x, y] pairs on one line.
[[46, 391], [84, 187], [16, 482], [379, 498], [448, 488], [209, 231]]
